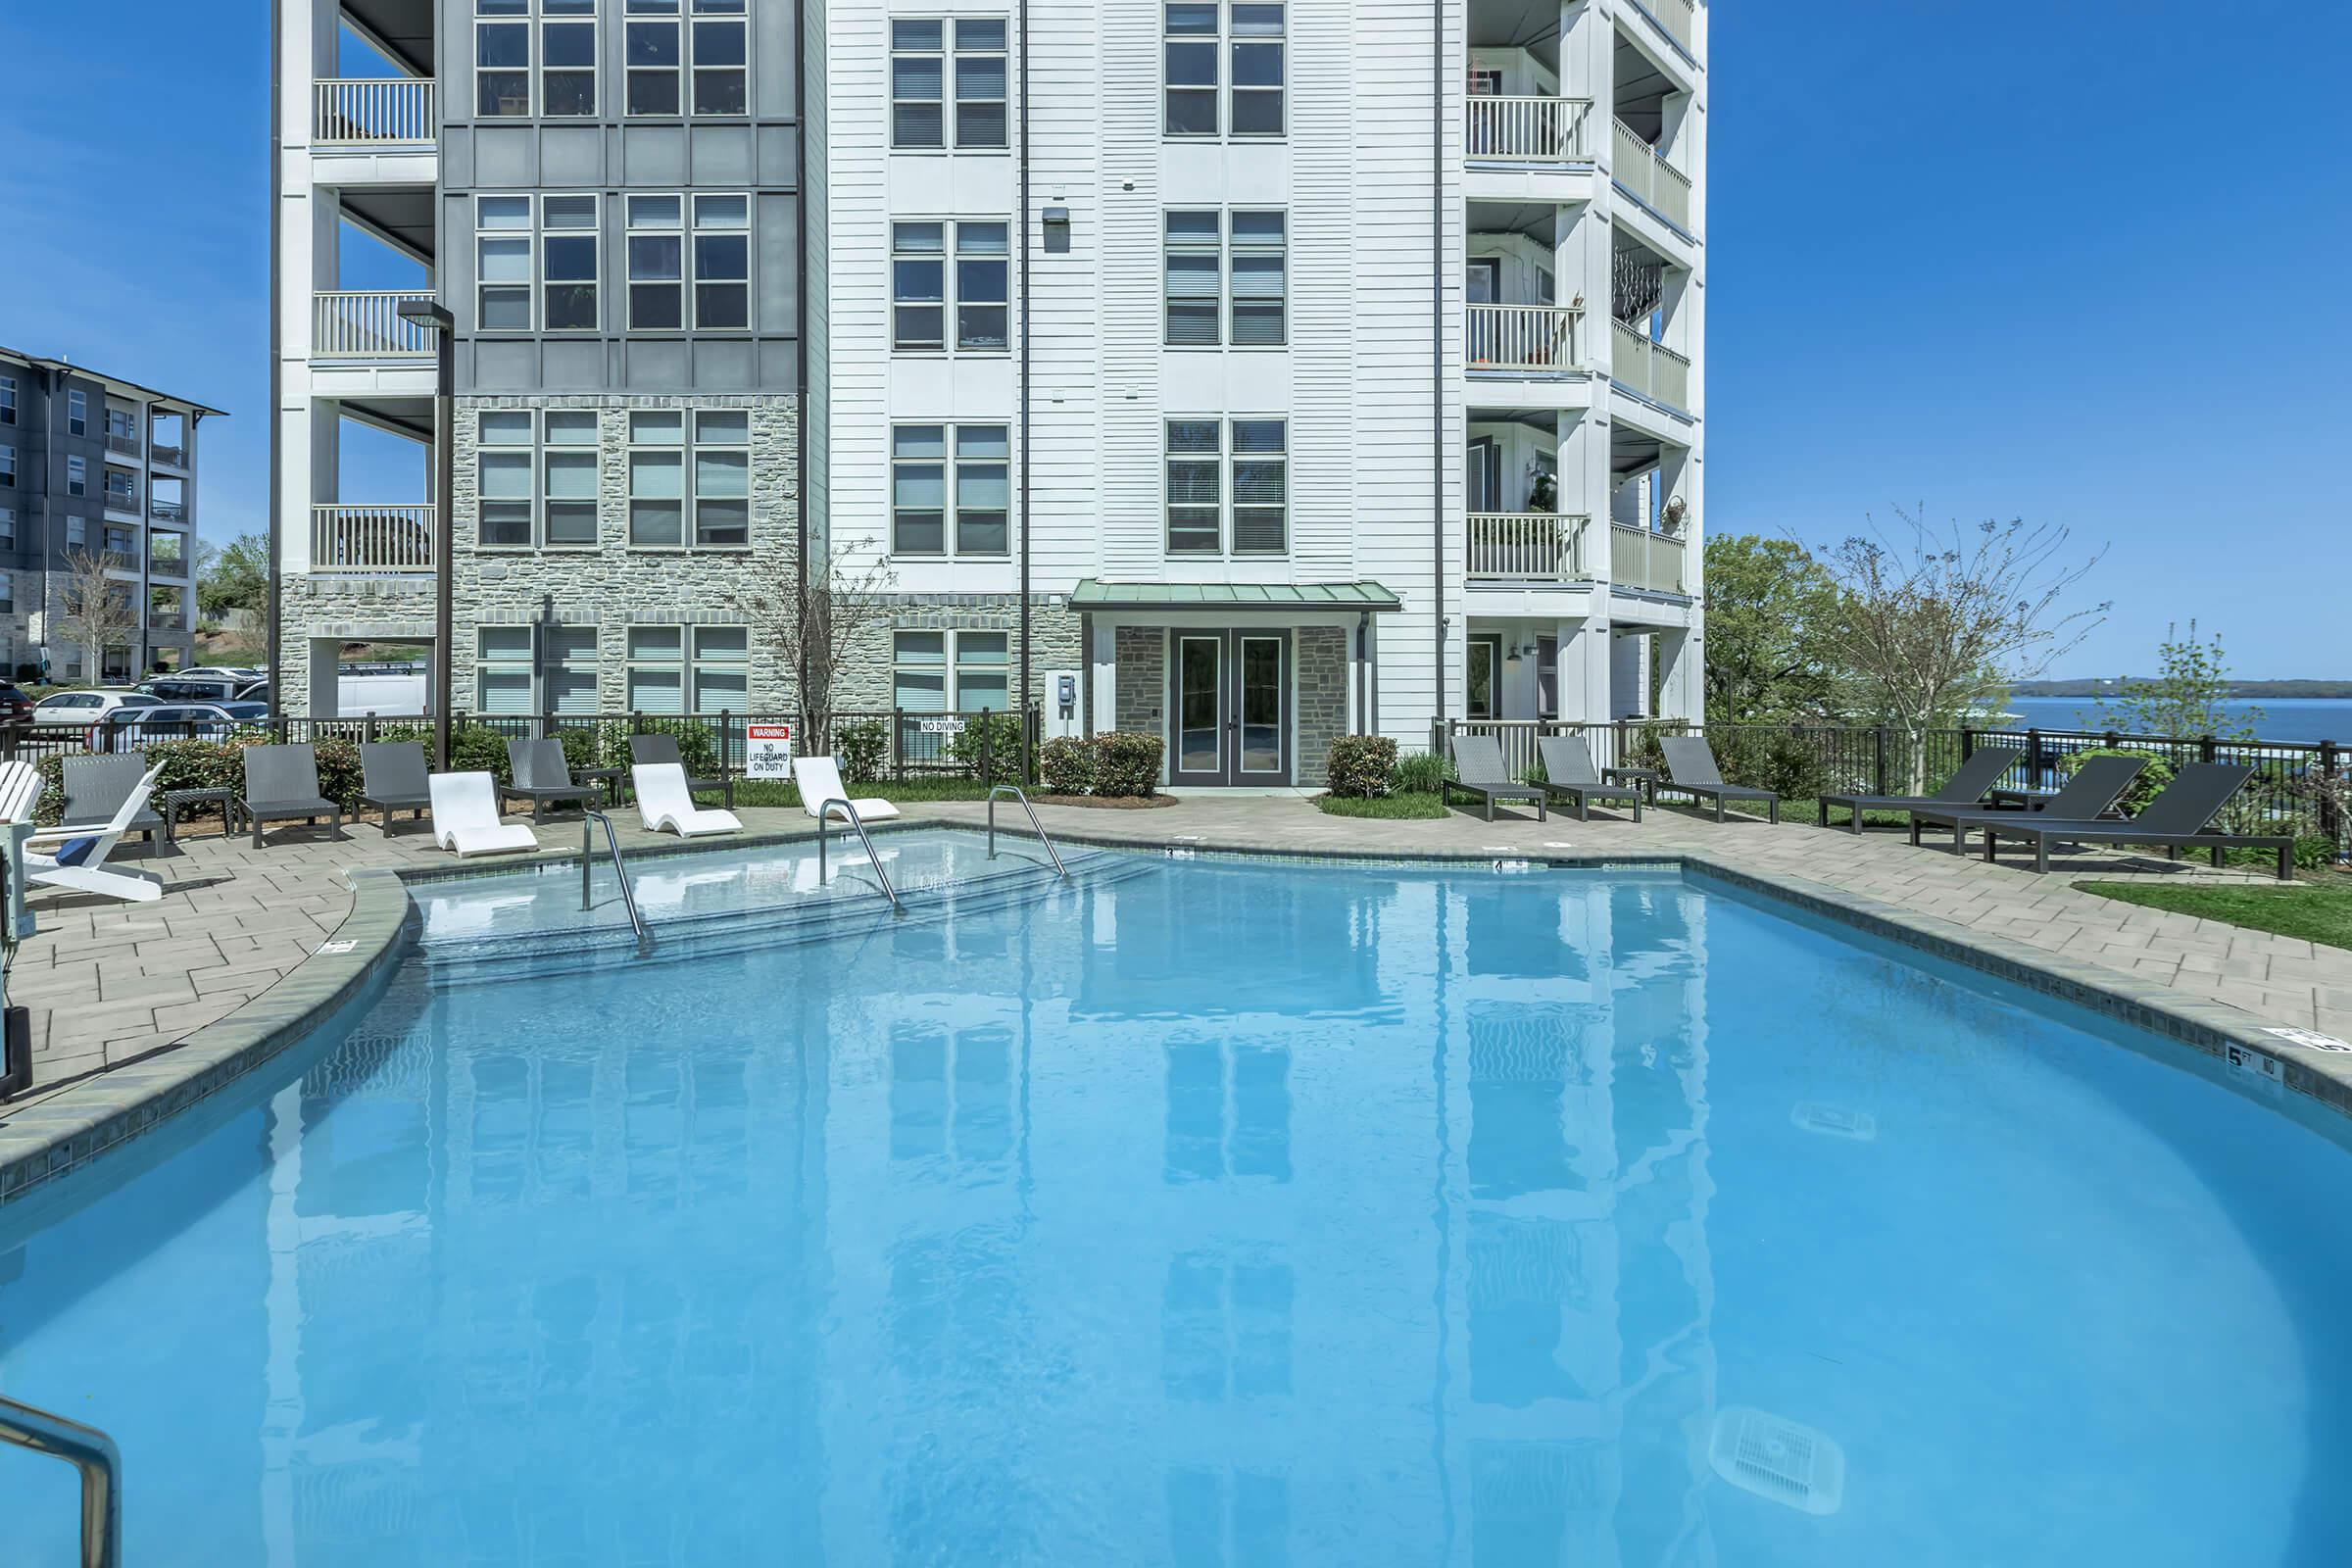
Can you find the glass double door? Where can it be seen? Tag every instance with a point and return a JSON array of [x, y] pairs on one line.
[[1229, 707]]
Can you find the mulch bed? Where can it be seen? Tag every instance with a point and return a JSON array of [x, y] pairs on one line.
[[1102, 803]]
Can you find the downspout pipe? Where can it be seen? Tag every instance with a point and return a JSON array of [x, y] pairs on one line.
[[1027, 662], [810, 261], [1436, 336], [276, 415]]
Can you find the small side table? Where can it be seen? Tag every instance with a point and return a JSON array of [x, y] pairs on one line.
[[606, 779], [1645, 779], [176, 803]]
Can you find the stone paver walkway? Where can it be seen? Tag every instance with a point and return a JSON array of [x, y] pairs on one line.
[[111, 983]]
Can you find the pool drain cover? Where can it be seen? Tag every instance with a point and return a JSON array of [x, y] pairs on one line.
[[1778, 1459], [1836, 1121]]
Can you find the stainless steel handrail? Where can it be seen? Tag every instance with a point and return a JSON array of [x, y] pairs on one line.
[[1015, 791], [88, 1450], [824, 817], [628, 897]]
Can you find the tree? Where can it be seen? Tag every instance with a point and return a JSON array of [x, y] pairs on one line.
[[1772, 609], [94, 610], [235, 576], [812, 627], [2185, 698], [1934, 628]]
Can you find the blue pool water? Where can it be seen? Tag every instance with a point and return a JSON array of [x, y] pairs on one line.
[[1196, 1212]]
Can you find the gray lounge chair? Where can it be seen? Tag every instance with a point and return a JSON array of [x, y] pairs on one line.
[[2095, 789], [1568, 770], [2177, 819], [95, 788], [542, 777], [653, 750], [1690, 771], [1479, 762], [393, 777], [1968, 786], [281, 784]]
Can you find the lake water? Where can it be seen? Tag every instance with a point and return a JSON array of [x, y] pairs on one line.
[[2284, 718]]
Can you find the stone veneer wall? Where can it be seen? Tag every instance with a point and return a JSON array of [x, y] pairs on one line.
[[353, 610], [1321, 655], [866, 678], [1141, 680]]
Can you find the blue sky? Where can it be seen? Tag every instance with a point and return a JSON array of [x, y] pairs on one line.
[[2078, 262]]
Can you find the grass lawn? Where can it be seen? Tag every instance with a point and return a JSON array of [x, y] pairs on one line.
[[777, 792], [2317, 908], [1403, 804]]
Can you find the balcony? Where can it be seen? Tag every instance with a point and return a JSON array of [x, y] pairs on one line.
[[169, 510], [1522, 339], [1650, 368], [368, 325], [122, 445], [1527, 130], [123, 501], [1645, 175], [378, 111], [167, 622], [1640, 557], [1677, 19], [362, 539], [1539, 547], [170, 457]]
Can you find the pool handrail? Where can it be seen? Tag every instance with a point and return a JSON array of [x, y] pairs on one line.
[[1018, 794], [88, 1450], [590, 815], [824, 817]]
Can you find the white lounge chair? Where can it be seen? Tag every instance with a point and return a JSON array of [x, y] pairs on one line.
[[665, 804], [465, 816], [86, 872], [819, 781], [20, 791]]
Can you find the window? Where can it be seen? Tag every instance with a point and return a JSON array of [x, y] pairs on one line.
[[569, 464], [502, 669], [722, 479], [1196, 288], [980, 87], [8, 465], [981, 284], [122, 428], [8, 399], [121, 545], [571, 672], [8, 593], [502, 257], [919, 677], [919, 478], [8, 527], [925, 681], [503, 517], [122, 490], [535, 491], [567, 58], [1252, 39], [501, 59], [720, 462], [657, 249], [567, 251], [77, 415], [1196, 463], [77, 476], [722, 262], [981, 671], [918, 285], [918, 84], [652, 57], [679, 669], [656, 479], [78, 534], [720, 57]]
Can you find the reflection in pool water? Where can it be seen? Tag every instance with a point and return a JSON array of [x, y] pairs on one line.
[[1200, 1212]]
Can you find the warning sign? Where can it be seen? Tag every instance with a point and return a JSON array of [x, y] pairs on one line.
[[767, 751]]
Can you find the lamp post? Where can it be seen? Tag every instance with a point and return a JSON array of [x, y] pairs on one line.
[[434, 314]]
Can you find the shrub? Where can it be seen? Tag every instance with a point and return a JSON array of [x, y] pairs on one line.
[[1783, 764], [1126, 765], [1001, 733], [580, 748], [1066, 765], [1422, 773], [479, 749], [862, 748], [2150, 783], [213, 765], [1361, 766]]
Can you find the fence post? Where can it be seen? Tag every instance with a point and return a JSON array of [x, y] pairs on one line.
[[2205, 748], [1968, 742], [1877, 739], [898, 744], [2330, 820], [2033, 778], [726, 752], [987, 758]]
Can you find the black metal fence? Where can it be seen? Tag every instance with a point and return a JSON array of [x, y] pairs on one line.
[[1803, 761]]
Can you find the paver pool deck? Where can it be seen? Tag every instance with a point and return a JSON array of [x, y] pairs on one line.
[[113, 986]]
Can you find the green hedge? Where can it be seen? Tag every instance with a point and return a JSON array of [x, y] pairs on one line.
[[1126, 765], [214, 766]]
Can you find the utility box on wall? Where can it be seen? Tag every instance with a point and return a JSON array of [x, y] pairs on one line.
[[1062, 702]]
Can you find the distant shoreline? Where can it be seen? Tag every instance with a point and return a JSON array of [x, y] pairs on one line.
[[2240, 689]]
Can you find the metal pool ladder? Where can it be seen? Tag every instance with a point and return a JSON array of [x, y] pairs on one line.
[[1015, 790], [88, 1450], [628, 896], [825, 819]]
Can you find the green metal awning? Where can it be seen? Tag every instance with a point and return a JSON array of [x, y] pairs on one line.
[[1091, 593]]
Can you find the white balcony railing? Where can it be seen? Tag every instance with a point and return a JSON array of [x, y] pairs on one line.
[[345, 538], [1650, 368], [170, 456], [1642, 558], [1524, 547], [1531, 130], [367, 326], [379, 112], [1532, 339], [1645, 173], [126, 445], [1679, 19]]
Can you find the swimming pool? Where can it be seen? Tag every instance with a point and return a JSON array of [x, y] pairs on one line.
[[1194, 1211]]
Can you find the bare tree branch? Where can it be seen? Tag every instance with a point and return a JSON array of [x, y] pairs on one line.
[[94, 609], [816, 630]]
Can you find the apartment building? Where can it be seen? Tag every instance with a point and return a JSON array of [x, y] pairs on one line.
[[1256, 373], [606, 199], [1244, 371], [94, 469]]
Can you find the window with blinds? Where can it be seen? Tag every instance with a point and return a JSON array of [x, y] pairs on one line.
[[1201, 455], [1195, 278], [918, 64], [1226, 279]]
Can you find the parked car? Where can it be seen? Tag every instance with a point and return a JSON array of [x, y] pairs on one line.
[[254, 690], [240, 673], [126, 729], [87, 707], [15, 707], [185, 688]]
